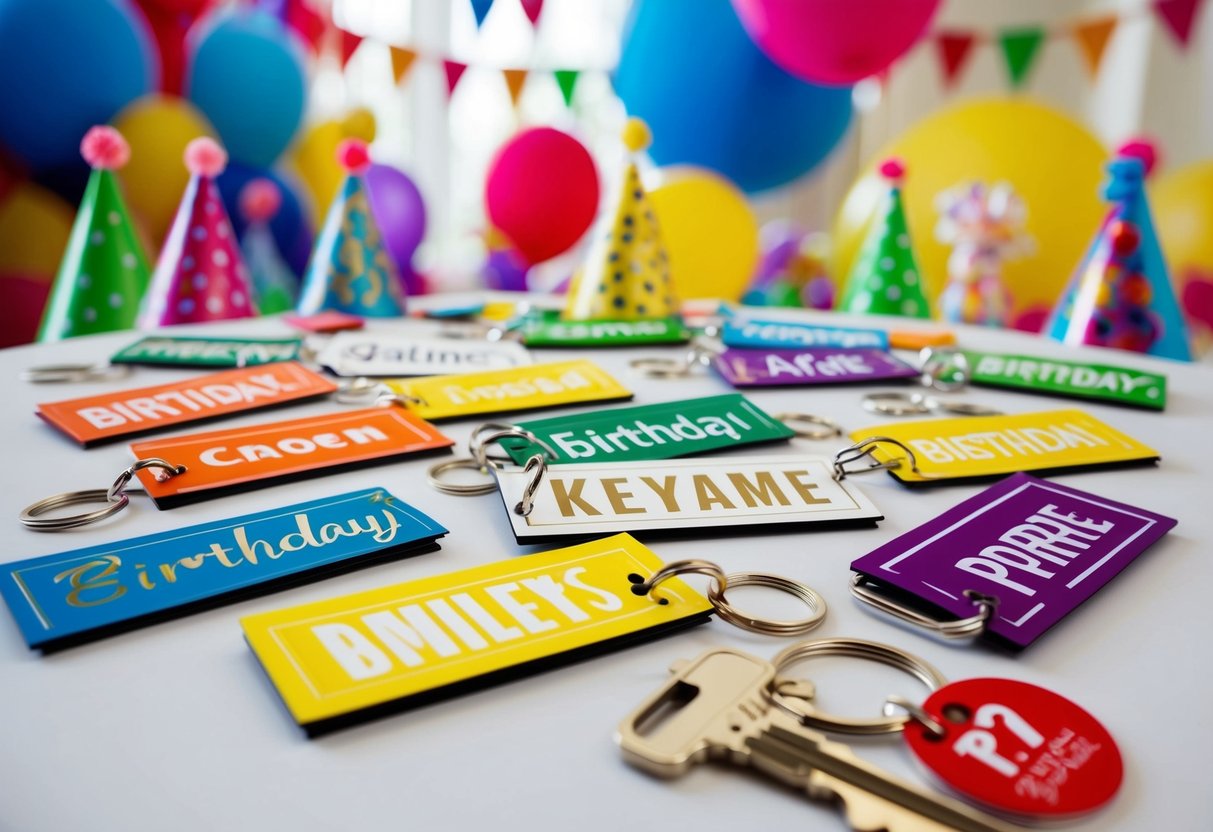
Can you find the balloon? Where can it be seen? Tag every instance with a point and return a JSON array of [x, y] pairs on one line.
[[709, 231], [292, 226], [24, 298], [168, 21], [1182, 201], [315, 154], [542, 192], [715, 101], [34, 227], [1053, 162], [158, 127], [400, 212], [247, 75], [504, 271], [832, 42], [67, 65]]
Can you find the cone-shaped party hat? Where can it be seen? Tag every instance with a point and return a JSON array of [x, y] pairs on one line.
[[885, 279], [104, 271], [627, 273], [274, 286], [350, 270], [201, 275], [1121, 294]]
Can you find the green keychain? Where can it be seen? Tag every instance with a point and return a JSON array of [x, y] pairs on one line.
[[1072, 379], [177, 351], [546, 329]]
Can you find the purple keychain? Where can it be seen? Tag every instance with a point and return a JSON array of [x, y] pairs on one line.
[[787, 368], [1007, 564]]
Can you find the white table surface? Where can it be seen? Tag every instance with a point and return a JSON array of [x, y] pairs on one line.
[[175, 727]]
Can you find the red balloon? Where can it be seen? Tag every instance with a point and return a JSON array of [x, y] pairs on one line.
[[835, 41], [542, 192], [168, 21], [24, 297]]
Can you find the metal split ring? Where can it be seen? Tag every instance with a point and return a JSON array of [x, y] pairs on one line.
[[820, 428], [527, 504], [729, 613], [480, 460], [916, 712], [387, 398], [434, 477], [478, 446], [359, 390], [918, 404], [956, 630], [809, 715], [864, 447], [115, 499], [698, 355], [57, 373], [945, 370]]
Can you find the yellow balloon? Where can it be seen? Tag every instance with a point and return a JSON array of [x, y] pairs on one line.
[[1182, 202], [158, 127], [34, 227], [315, 155], [709, 230], [1053, 162]]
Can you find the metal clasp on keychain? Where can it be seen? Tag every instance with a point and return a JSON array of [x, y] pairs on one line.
[[478, 459], [701, 353], [63, 373], [864, 447], [115, 498], [963, 629], [943, 371]]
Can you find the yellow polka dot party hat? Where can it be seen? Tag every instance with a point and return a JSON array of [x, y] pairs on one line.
[[627, 273]]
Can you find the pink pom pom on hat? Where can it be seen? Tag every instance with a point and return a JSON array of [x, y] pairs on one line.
[[1142, 149], [353, 155], [893, 169], [260, 200], [104, 148], [205, 157]]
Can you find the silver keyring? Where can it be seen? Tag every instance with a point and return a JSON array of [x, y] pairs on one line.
[[955, 630], [729, 613], [478, 446], [698, 355], [156, 462], [825, 428], [527, 504], [29, 517], [864, 447], [962, 408], [809, 715], [58, 373], [359, 390], [896, 404], [387, 399], [938, 365], [916, 712], [433, 477]]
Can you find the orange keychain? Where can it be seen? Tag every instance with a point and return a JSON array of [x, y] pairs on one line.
[[223, 461]]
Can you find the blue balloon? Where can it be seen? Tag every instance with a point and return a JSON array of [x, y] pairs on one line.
[[713, 99], [67, 65], [290, 226], [246, 74]]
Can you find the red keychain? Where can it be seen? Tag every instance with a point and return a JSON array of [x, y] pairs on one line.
[[1008, 746]]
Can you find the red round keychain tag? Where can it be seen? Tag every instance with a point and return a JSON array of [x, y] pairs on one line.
[[1018, 748]]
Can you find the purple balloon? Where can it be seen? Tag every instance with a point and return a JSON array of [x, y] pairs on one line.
[[400, 212], [504, 271]]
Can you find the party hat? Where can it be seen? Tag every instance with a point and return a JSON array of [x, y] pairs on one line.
[[350, 270], [274, 286], [1121, 294], [885, 279], [104, 271], [627, 273], [200, 275]]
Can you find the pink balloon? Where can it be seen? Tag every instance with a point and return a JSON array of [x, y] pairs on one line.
[[835, 41]]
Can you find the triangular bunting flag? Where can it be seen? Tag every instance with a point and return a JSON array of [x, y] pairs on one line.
[[480, 8], [567, 79], [532, 9], [1178, 16], [349, 45], [454, 71], [402, 62], [1019, 48], [954, 49], [1092, 37], [514, 80]]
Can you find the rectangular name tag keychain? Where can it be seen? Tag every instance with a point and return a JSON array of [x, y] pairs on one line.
[[647, 432], [362, 656], [78, 596], [394, 355], [583, 499], [982, 447], [179, 351], [951, 369], [505, 391], [1007, 564], [783, 368], [791, 335], [111, 416], [544, 328]]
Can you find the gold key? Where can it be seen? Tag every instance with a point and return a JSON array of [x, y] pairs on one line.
[[719, 707]]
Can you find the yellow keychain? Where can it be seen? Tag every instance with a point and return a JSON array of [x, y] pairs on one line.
[[507, 391], [988, 446]]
